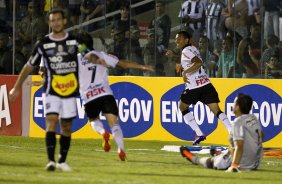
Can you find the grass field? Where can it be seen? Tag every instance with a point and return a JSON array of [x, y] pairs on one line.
[[22, 160]]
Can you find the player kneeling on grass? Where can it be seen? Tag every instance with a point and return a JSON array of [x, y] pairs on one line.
[[245, 139], [96, 93]]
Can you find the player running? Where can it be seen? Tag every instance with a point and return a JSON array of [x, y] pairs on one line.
[[97, 95], [197, 86]]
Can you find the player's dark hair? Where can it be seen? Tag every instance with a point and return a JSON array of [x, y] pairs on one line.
[[185, 34], [56, 10], [245, 103], [85, 38]]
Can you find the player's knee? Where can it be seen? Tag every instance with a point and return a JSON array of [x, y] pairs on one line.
[[209, 163]]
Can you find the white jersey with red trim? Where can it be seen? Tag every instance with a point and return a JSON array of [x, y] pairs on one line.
[[93, 78], [197, 78]]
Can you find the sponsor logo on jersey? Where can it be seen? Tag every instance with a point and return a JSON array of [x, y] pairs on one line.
[[172, 119], [39, 117], [64, 85], [135, 106], [56, 59], [267, 107], [71, 42], [49, 45]]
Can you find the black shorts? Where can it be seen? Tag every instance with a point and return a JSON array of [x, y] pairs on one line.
[[106, 104], [206, 94]]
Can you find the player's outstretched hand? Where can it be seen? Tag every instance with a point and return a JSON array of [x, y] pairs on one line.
[[148, 68], [13, 94], [233, 169]]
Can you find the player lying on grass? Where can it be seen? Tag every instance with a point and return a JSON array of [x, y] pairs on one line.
[[245, 139]]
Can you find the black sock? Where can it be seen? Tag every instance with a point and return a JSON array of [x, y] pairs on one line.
[[65, 145], [50, 141]]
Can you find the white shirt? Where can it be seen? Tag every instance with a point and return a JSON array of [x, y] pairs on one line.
[[93, 78], [248, 129], [197, 78]]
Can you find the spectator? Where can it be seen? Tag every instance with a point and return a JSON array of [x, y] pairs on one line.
[[273, 69], [214, 22], [253, 10], [125, 21], [30, 28], [161, 23], [226, 62], [236, 17], [74, 11], [49, 5], [205, 53], [150, 55], [3, 9], [272, 45], [271, 17], [192, 14], [249, 53], [91, 9], [135, 50], [6, 55], [118, 48]]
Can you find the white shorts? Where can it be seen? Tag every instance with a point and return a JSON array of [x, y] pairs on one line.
[[222, 161], [65, 107]]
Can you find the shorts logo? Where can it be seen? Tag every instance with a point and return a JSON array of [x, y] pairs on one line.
[[267, 107], [135, 106], [173, 122], [39, 118]]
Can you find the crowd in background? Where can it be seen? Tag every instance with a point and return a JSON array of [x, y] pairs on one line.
[[236, 38]]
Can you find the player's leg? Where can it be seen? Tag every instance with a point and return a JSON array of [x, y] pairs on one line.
[[204, 161], [50, 140], [51, 109], [68, 113], [110, 111], [92, 110], [220, 115], [98, 127], [187, 98], [210, 98]]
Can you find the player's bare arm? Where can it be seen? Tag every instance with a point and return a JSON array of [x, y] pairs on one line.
[[197, 63], [237, 155], [95, 59], [15, 91], [130, 64]]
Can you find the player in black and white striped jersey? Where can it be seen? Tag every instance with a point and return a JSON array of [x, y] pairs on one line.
[[214, 23], [192, 13]]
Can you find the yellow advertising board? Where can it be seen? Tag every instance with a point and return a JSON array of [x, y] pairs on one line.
[[148, 109]]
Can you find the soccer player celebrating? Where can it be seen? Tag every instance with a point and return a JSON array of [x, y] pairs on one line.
[[96, 93], [197, 86], [245, 138]]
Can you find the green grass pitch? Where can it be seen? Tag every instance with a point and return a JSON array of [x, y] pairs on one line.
[[22, 160]]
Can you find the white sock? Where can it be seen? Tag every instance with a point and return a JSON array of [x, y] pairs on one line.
[[190, 120], [97, 126], [225, 121], [118, 137]]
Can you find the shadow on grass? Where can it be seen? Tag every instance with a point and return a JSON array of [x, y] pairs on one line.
[[19, 164], [204, 177], [155, 162]]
